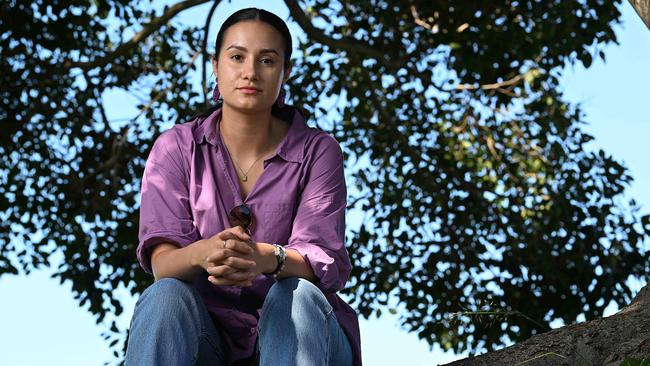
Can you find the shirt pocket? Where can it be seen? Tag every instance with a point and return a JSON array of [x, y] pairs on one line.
[[274, 222]]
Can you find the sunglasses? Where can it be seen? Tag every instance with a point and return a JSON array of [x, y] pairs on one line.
[[241, 216]]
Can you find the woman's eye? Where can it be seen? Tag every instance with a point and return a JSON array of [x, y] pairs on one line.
[[267, 61], [236, 57]]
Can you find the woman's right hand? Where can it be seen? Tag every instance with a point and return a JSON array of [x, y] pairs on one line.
[[227, 267]]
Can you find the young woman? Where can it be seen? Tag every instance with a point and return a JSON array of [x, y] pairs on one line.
[[242, 224]]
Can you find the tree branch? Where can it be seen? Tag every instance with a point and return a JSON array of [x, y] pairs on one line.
[[494, 86], [643, 9], [147, 30], [421, 22], [347, 44], [206, 29], [120, 140], [144, 109]]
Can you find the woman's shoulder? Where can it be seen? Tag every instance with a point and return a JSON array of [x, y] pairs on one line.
[[175, 142], [194, 128], [317, 139], [321, 144], [181, 132], [306, 142]]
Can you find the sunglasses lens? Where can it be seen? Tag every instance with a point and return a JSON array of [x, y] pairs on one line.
[[241, 216]]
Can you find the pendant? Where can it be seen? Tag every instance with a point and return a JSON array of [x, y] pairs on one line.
[[244, 178]]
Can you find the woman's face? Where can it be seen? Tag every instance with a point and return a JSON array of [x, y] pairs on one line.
[[250, 66]]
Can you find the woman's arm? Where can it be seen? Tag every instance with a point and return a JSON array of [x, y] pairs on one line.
[[168, 260], [297, 266], [316, 248], [318, 228], [185, 263], [263, 254]]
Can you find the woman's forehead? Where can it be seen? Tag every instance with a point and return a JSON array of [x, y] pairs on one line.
[[253, 36]]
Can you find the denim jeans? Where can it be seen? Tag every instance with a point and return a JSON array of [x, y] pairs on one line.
[[171, 326]]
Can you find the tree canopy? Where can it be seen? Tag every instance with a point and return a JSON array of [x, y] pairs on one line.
[[469, 169]]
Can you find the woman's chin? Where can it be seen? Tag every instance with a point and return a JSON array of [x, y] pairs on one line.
[[249, 106]]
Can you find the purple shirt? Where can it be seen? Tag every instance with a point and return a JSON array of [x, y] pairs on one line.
[[190, 184]]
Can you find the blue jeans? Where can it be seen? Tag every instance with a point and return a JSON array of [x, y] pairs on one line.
[[171, 326]]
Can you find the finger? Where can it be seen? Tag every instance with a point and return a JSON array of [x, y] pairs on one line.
[[220, 270], [239, 276], [225, 282], [236, 232], [229, 257], [240, 263], [230, 273], [239, 246], [240, 230], [219, 256], [233, 243]]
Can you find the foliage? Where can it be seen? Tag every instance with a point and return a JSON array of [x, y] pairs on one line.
[[636, 362], [469, 167]]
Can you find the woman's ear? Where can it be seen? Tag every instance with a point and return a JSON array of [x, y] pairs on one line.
[[214, 66], [287, 74]]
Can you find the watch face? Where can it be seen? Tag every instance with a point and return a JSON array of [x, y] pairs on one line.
[[280, 256], [283, 253]]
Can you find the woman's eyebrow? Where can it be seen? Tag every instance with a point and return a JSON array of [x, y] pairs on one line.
[[244, 49]]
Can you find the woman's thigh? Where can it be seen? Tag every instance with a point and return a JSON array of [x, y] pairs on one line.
[[298, 326], [171, 325]]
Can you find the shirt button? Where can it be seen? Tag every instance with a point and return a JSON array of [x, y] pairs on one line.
[[252, 331]]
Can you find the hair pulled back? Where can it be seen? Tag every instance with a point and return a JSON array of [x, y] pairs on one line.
[[250, 14]]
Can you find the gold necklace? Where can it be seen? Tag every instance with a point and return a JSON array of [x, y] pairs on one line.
[[244, 176]]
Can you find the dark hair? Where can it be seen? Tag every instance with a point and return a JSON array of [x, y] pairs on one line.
[[263, 16], [271, 19]]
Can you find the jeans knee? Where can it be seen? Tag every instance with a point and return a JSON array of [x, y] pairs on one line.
[[168, 295], [296, 293], [169, 286]]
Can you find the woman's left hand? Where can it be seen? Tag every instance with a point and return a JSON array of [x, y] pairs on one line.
[[225, 272]]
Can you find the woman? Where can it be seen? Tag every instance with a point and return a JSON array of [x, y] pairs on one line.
[[242, 224]]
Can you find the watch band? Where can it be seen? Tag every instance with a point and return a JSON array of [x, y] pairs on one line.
[[281, 257]]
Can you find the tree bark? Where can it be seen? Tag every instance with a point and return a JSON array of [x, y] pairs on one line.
[[642, 8], [606, 341]]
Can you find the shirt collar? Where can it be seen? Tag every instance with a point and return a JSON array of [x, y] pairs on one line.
[[290, 149], [206, 129]]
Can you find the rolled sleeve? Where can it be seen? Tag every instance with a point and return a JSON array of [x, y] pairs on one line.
[[165, 214], [318, 231]]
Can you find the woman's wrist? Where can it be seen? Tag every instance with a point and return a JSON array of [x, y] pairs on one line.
[[200, 253], [270, 261], [280, 259]]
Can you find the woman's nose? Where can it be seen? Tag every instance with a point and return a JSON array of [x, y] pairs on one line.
[[250, 69]]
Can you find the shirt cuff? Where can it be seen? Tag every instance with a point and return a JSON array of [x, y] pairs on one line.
[[327, 269]]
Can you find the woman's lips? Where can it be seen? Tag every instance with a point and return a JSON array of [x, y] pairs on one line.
[[249, 90]]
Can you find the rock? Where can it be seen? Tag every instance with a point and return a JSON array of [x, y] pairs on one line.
[[605, 341]]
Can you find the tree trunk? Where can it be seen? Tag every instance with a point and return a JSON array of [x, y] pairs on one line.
[[642, 8], [606, 341]]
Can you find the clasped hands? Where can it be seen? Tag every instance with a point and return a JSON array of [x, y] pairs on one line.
[[233, 259]]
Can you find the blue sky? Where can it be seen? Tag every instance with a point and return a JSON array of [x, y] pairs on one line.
[[41, 323]]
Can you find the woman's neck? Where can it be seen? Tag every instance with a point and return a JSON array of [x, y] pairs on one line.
[[247, 135]]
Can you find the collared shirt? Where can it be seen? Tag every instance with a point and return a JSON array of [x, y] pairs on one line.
[[190, 185]]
